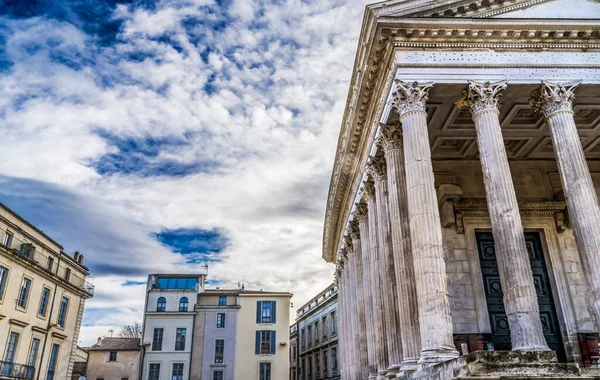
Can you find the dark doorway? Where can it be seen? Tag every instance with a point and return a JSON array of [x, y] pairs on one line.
[[493, 292]]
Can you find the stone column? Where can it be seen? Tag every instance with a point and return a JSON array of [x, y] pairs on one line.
[[378, 291], [354, 232], [362, 216], [555, 100], [391, 141], [339, 275], [520, 298], [425, 228], [352, 310], [387, 271]]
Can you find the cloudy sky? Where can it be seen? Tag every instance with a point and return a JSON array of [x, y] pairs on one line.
[[160, 135]]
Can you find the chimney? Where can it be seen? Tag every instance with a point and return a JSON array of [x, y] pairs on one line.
[[99, 343], [80, 259], [76, 256]]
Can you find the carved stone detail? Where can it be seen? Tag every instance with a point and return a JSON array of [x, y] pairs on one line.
[[410, 97], [482, 96], [390, 137], [361, 212], [369, 190], [554, 97], [377, 168]]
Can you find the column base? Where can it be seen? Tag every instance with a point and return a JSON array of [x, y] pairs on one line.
[[392, 371], [381, 375], [409, 365], [441, 354]]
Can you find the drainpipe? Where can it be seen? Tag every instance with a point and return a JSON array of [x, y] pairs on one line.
[[49, 325], [192, 341]]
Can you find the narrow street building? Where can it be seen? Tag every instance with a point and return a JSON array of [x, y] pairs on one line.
[[114, 359], [42, 296], [463, 207]]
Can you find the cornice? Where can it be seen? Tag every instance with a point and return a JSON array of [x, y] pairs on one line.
[[373, 72]]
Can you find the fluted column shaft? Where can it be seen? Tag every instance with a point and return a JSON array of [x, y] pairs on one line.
[[368, 288], [401, 245], [378, 291], [360, 302], [425, 227], [387, 272], [556, 101], [520, 298]]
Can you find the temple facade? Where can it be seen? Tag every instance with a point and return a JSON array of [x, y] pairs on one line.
[[463, 211]]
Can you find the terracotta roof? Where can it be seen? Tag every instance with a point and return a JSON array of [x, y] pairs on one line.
[[79, 367], [117, 344], [238, 291]]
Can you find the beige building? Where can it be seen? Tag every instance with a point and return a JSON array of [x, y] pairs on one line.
[[463, 208], [241, 334], [114, 359], [42, 296]]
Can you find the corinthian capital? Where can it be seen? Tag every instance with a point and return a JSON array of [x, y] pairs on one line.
[[348, 242], [361, 211], [410, 97], [553, 97], [369, 190], [390, 137], [377, 169], [353, 229], [482, 96]]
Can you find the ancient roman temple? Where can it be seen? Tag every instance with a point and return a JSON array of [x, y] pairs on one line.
[[463, 211]]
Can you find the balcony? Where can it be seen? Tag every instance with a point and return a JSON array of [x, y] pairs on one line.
[[16, 371]]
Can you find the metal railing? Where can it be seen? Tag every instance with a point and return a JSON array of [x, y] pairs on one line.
[[16, 370]]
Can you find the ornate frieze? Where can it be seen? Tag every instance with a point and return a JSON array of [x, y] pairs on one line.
[[482, 96], [554, 97], [390, 137], [410, 96]]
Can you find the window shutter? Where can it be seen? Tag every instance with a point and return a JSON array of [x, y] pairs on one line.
[[257, 345], [273, 340], [273, 311], [258, 311]]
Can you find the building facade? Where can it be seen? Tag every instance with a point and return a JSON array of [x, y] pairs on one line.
[[114, 359], [42, 296], [294, 352], [241, 334], [463, 208], [317, 332], [168, 325]]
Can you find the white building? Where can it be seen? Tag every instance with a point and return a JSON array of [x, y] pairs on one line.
[[168, 325]]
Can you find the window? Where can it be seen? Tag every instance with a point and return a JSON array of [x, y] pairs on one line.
[[181, 283], [183, 304], [8, 238], [180, 339], [265, 342], [324, 327], [33, 352], [124, 378], [265, 311], [161, 304], [112, 356], [309, 368], [333, 323], [220, 320], [303, 338], [44, 302], [317, 336], [52, 363], [3, 279], [264, 371], [219, 350], [50, 264], [309, 336], [67, 274], [222, 301], [303, 368], [318, 365], [62, 313], [334, 367], [177, 371], [325, 363], [217, 375], [11, 348], [24, 293], [157, 338], [154, 371]]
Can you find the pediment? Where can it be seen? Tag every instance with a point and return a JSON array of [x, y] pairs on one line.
[[554, 9]]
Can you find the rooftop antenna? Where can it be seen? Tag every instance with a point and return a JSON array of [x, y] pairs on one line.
[[205, 266], [111, 332]]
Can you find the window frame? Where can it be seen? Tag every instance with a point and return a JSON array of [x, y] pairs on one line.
[[263, 334], [157, 339], [152, 370], [180, 338], [261, 371], [67, 276], [52, 361], [219, 355], [61, 318], [224, 319], [34, 352], [182, 303], [216, 371], [15, 347], [4, 274], [112, 358], [50, 263], [222, 300], [161, 305], [44, 304], [19, 296], [179, 375], [8, 239]]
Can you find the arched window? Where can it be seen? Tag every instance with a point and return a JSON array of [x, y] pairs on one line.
[[183, 304], [161, 304]]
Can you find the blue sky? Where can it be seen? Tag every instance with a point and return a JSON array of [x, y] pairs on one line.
[[160, 135]]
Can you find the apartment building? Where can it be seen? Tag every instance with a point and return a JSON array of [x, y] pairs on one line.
[[241, 334], [168, 322], [316, 326], [294, 352], [113, 358], [42, 296]]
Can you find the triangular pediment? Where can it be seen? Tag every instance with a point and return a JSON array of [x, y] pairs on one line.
[[555, 9]]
